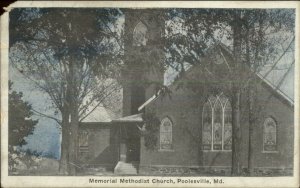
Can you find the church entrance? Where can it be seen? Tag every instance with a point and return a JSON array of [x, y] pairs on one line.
[[133, 144]]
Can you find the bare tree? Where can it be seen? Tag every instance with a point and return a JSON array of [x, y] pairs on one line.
[[72, 55]]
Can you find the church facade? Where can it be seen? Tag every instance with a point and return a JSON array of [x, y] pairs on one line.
[[195, 131]]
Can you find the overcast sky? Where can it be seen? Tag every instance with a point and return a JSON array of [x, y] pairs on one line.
[[46, 137]]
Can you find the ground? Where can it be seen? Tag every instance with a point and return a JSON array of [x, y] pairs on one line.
[[42, 166]]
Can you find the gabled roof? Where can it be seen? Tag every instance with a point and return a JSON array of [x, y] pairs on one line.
[[99, 114], [136, 118], [266, 82], [276, 90], [222, 46]]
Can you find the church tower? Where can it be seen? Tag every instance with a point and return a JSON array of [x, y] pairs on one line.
[[143, 38]]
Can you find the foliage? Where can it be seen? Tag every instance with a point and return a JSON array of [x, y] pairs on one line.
[[12, 158], [20, 126], [55, 41], [28, 158], [150, 134], [191, 32], [72, 55], [20, 123]]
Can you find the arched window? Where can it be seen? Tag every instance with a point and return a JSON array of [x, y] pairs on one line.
[[227, 139], [270, 131], [206, 129], [166, 134], [217, 124], [83, 141], [140, 35]]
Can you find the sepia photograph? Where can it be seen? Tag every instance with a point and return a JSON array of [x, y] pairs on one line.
[[125, 91]]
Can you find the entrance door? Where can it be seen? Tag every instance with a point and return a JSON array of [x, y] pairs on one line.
[[133, 144]]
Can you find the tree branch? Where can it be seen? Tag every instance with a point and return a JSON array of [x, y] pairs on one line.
[[47, 116]]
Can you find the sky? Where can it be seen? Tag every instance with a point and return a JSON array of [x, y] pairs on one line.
[[46, 136]]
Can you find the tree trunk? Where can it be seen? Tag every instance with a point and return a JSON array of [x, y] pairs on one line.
[[73, 141], [236, 134], [252, 91], [73, 131], [250, 98], [63, 163], [64, 159], [252, 120], [236, 94]]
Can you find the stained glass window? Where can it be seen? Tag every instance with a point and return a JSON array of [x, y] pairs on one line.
[[83, 141], [166, 134], [227, 127], [223, 100], [140, 35], [206, 129], [212, 100], [270, 143], [217, 124]]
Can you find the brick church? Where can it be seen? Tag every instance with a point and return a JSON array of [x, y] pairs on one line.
[[195, 131]]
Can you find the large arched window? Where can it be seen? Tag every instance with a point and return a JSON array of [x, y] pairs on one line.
[[216, 124], [140, 35], [207, 128], [227, 139], [165, 138], [269, 134]]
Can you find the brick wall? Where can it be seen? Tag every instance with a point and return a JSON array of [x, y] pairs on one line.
[[184, 109], [101, 151]]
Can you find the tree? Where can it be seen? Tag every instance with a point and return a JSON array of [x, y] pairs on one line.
[[271, 41], [74, 57], [20, 121], [252, 35]]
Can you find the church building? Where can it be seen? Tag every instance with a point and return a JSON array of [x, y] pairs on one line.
[[194, 135]]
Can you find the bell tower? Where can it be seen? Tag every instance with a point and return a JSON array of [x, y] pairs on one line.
[[143, 43]]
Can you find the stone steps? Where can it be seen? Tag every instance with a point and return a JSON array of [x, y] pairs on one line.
[[123, 168]]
